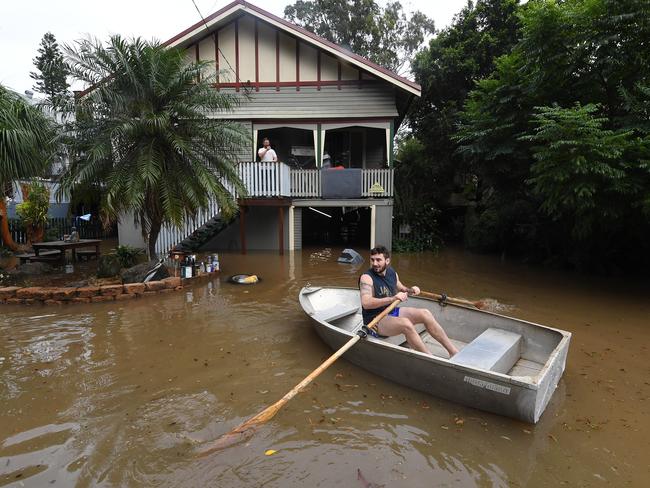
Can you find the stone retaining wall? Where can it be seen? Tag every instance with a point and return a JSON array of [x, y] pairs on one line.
[[13, 295]]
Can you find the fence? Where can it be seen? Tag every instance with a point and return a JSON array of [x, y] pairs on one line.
[[57, 227]]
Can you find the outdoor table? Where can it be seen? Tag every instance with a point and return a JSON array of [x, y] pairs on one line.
[[63, 246]]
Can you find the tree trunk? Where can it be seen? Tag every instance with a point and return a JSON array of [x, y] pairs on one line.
[[4, 226], [154, 231]]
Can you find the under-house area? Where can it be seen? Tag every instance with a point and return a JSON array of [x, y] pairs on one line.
[[336, 226]]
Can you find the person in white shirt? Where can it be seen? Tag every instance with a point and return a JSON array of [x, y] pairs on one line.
[[266, 153]]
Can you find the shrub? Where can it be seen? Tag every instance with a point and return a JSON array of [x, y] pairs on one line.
[[128, 255], [33, 211]]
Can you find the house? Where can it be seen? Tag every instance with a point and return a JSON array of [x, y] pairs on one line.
[[320, 105]]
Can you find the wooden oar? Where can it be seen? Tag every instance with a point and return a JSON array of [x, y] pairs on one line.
[[248, 427], [481, 304]]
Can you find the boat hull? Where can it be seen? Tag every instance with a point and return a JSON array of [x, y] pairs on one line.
[[517, 397]]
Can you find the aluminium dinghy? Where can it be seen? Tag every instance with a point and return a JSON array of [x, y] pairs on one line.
[[505, 365]]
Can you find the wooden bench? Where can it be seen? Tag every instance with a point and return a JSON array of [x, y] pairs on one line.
[[494, 350], [43, 256], [336, 312]]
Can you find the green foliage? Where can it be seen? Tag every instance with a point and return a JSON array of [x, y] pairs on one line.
[[27, 139], [580, 171], [384, 35], [417, 184], [143, 133], [448, 70], [52, 79], [127, 255], [33, 211], [562, 124], [51, 234]]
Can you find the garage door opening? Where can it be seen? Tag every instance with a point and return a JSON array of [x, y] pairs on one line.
[[336, 226]]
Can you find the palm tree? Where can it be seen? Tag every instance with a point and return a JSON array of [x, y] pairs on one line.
[[27, 146], [143, 132]]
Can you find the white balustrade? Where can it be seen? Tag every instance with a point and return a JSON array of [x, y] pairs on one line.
[[305, 183], [377, 182], [268, 180]]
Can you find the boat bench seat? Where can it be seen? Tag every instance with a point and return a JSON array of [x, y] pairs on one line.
[[335, 312], [494, 350]]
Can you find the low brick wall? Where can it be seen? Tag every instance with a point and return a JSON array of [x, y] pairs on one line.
[[13, 295]]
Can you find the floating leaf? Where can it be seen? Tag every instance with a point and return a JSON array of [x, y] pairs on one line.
[[270, 452]]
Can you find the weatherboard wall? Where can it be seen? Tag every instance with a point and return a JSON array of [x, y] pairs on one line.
[[281, 76]]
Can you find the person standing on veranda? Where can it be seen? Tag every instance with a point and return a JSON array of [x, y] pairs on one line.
[[266, 153], [379, 287]]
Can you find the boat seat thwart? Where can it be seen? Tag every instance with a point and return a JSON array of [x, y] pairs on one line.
[[494, 350], [336, 312]]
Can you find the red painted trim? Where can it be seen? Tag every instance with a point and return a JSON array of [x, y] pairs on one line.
[[216, 55], [196, 55], [277, 60], [202, 22], [281, 229], [295, 84], [321, 120], [318, 69], [242, 230], [262, 14], [257, 57], [237, 54], [297, 65], [339, 76]]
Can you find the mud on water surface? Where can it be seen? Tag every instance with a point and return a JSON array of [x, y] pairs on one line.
[[120, 394]]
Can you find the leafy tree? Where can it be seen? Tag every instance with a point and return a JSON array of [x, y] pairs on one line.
[[561, 127], [143, 133], [413, 201], [27, 145], [384, 35], [577, 163], [448, 69], [52, 79]]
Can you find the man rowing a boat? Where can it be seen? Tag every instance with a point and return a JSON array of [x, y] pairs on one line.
[[379, 287]]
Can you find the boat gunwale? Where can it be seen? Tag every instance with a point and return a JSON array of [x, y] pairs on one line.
[[535, 382]]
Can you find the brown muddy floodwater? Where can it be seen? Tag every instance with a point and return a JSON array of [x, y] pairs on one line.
[[117, 394]]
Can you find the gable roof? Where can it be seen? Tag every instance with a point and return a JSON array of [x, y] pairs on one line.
[[236, 8]]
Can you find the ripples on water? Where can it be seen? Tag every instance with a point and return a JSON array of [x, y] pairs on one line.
[[121, 394]]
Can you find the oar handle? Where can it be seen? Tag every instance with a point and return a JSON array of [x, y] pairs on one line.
[[457, 301], [373, 323], [269, 412]]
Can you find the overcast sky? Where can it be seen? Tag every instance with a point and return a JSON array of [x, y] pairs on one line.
[[23, 23]]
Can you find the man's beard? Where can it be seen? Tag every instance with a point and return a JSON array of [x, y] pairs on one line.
[[380, 269]]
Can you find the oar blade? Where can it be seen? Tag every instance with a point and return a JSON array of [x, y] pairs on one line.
[[225, 441], [241, 432]]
